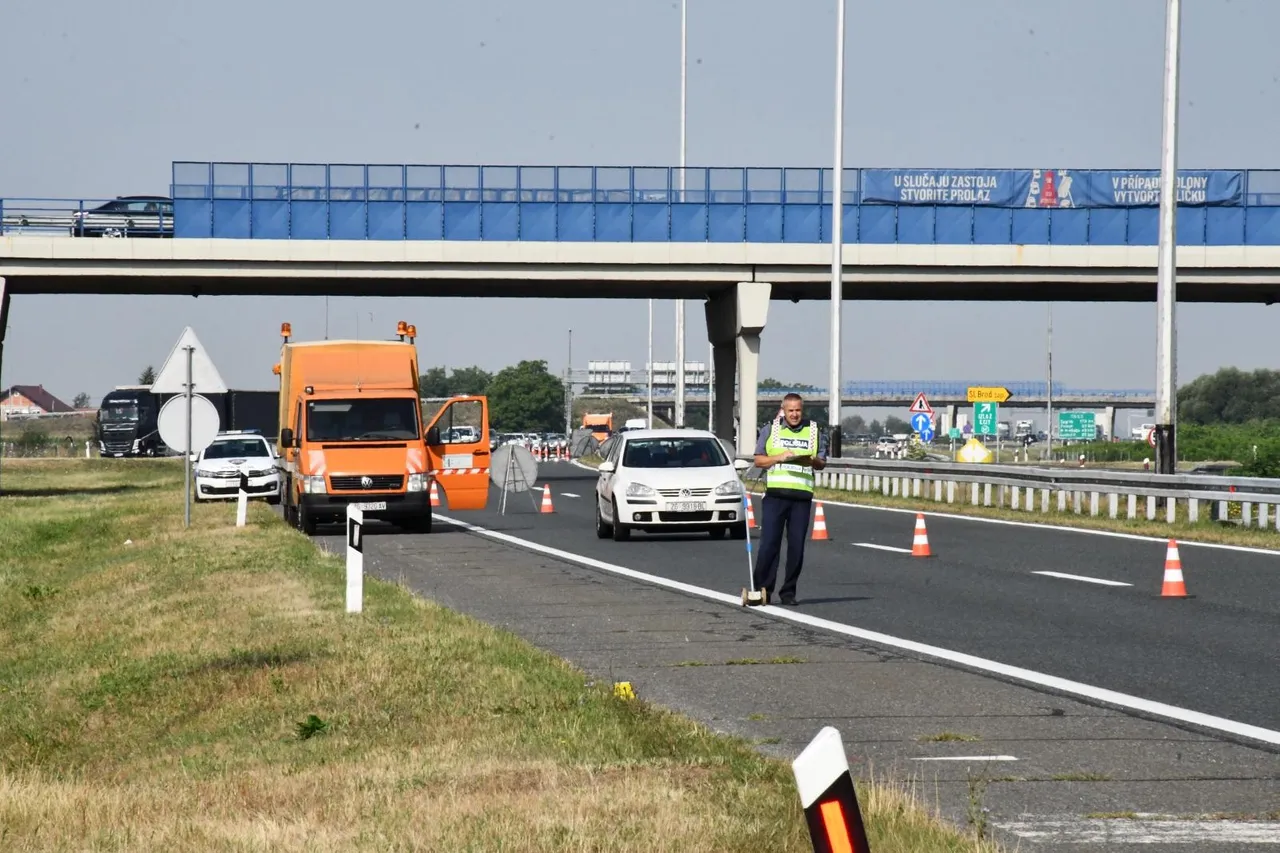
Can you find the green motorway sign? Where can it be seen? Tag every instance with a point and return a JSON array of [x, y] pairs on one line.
[[1077, 426], [985, 416]]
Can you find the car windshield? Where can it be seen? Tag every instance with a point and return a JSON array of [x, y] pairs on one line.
[[673, 453], [237, 449], [117, 412], [368, 419]]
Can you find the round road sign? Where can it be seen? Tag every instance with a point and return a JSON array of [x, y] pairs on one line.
[[173, 423], [1151, 437]]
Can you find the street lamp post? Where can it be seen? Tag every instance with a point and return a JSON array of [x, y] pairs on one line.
[[837, 240], [1166, 272]]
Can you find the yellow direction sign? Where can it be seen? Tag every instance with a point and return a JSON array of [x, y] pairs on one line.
[[983, 394]]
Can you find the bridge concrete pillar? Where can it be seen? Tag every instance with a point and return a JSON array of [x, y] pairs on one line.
[[949, 421], [735, 319], [4, 320], [1109, 422]]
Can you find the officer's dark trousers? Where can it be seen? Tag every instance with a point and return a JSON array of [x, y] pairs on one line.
[[777, 513]]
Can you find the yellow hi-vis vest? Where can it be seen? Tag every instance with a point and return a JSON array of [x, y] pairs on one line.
[[784, 475]]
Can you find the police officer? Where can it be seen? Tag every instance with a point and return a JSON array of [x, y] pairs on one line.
[[790, 449]]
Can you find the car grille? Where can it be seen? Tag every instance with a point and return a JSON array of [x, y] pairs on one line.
[[675, 493], [231, 474], [380, 482]]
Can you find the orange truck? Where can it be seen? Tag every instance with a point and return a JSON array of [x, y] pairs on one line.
[[352, 431], [600, 424]]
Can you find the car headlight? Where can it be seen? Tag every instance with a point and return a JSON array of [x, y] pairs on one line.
[[314, 484], [203, 472], [639, 490], [417, 483], [729, 487]]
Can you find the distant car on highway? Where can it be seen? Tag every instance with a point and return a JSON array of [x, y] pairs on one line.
[[126, 216], [669, 480], [219, 467]]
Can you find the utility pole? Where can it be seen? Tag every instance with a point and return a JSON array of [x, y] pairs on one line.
[[837, 241], [680, 354]]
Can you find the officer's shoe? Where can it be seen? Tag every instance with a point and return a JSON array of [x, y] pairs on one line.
[[788, 600]]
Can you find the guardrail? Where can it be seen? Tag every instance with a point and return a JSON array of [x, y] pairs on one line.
[[1032, 489], [80, 218]]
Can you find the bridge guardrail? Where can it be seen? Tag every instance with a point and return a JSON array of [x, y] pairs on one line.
[[1017, 487]]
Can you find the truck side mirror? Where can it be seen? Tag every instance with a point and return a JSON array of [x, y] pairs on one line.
[[286, 437], [433, 436]]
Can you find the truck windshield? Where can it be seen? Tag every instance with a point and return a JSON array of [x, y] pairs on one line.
[[367, 419], [119, 412]]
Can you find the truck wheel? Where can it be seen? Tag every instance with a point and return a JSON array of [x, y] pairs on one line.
[[306, 521]]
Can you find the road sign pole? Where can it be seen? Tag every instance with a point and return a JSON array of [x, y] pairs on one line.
[[1166, 274], [187, 452]]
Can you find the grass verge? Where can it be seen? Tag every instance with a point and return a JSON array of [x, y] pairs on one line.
[[172, 689]]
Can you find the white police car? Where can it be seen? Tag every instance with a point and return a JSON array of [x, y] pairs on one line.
[[232, 455]]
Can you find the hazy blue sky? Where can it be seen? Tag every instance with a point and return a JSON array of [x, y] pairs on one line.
[[98, 99]]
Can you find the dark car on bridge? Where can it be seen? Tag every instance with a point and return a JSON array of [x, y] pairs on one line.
[[126, 216]]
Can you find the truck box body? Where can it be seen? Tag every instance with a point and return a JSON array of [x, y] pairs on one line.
[[352, 431]]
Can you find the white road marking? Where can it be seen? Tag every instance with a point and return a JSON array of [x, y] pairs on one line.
[[882, 547], [966, 758], [1083, 578], [1138, 831], [1053, 682], [569, 495]]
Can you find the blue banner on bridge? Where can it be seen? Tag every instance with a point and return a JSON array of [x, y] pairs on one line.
[[1141, 188], [982, 187], [1061, 188]]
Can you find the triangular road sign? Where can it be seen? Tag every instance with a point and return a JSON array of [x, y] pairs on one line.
[[921, 405], [172, 378]]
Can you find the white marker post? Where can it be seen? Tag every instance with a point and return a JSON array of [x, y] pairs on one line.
[[355, 558], [242, 501], [828, 797]]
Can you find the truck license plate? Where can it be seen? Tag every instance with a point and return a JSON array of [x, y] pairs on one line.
[[688, 506], [371, 506]]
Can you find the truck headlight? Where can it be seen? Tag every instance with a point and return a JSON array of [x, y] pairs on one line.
[[417, 483], [314, 485], [729, 487], [639, 490]]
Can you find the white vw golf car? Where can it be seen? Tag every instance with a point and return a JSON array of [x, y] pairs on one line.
[[669, 480]]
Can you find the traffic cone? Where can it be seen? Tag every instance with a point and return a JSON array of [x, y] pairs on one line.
[[751, 514], [435, 494], [920, 544], [546, 499], [1174, 586], [819, 525]]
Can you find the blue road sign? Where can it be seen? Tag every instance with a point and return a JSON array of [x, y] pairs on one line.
[[920, 422], [926, 434]]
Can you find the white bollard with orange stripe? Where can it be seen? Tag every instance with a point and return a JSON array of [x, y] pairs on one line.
[[828, 797]]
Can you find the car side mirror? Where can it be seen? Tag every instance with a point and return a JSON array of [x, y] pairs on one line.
[[433, 436], [286, 437], [741, 464], [605, 467]]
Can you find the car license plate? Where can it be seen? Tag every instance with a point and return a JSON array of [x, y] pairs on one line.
[[687, 506], [371, 506]]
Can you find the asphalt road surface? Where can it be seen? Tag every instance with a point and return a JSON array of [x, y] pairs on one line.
[[981, 594]]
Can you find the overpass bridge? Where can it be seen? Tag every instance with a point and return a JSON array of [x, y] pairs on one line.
[[736, 238]]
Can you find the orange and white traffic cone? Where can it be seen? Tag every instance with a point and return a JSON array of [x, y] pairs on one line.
[[435, 493], [546, 499], [819, 525], [751, 514], [920, 544], [1174, 585]]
